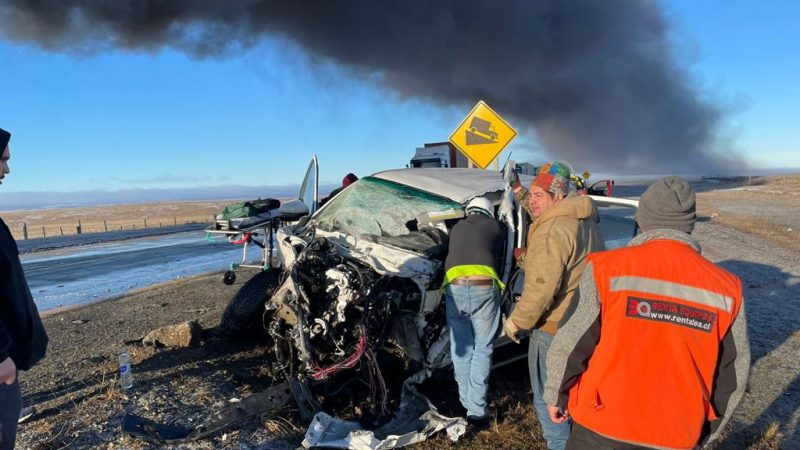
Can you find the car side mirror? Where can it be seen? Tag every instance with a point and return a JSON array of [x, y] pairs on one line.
[[292, 211]]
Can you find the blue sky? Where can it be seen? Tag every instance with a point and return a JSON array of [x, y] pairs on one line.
[[747, 55], [124, 120]]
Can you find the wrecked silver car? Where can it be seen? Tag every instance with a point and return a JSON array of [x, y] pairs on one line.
[[353, 313]]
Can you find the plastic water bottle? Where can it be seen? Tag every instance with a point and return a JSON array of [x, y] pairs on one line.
[[125, 375]]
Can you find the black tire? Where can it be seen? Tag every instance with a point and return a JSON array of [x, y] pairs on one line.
[[243, 317]]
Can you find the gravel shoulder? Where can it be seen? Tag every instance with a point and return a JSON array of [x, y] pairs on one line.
[[79, 405]]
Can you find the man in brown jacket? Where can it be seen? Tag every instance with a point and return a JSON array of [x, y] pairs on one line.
[[563, 233]]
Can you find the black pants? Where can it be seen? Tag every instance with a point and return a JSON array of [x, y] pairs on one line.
[[10, 407], [583, 438]]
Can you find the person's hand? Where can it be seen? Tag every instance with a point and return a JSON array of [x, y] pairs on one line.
[[557, 415], [519, 253], [511, 330], [8, 371]]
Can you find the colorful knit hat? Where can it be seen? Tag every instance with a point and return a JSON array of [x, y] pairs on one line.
[[553, 177]]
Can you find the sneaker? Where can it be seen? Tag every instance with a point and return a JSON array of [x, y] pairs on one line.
[[26, 413]]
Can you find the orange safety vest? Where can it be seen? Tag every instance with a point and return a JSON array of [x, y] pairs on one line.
[[664, 311]]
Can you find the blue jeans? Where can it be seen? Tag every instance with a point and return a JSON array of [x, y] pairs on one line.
[[473, 316], [555, 434]]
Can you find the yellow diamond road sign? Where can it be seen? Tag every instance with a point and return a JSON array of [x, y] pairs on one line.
[[482, 135]]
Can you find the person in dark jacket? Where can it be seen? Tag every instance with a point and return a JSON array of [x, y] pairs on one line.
[[472, 301], [346, 181], [23, 341]]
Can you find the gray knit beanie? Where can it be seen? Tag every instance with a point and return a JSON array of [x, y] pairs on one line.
[[667, 203]]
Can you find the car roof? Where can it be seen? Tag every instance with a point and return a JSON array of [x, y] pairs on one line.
[[458, 184]]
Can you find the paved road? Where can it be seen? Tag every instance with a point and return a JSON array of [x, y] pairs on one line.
[[86, 265], [89, 273]]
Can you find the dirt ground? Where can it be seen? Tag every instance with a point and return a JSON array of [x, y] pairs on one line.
[[80, 406]]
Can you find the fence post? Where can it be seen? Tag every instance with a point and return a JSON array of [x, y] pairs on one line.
[[175, 220], [105, 225], [78, 228], [62, 230], [25, 230], [43, 233], [145, 222]]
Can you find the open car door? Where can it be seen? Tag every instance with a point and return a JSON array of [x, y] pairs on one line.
[[309, 190], [604, 188]]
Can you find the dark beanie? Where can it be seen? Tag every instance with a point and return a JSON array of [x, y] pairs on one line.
[[667, 203], [5, 136], [349, 179]]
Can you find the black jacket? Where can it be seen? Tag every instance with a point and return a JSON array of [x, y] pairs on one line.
[[476, 240], [22, 335]]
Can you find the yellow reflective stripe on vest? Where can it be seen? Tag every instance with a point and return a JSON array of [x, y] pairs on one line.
[[669, 289], [469, 270]]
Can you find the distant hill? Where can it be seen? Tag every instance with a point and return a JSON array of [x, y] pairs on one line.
[[46, 200]]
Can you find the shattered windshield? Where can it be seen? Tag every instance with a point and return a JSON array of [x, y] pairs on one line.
[[379, 207]]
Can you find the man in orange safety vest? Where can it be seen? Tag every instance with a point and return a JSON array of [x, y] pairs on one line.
[[655, 353]]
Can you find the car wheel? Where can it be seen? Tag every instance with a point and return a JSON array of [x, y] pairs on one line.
[[243, 317]]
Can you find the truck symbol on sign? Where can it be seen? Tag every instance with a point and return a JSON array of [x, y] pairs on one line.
[[481, 132]]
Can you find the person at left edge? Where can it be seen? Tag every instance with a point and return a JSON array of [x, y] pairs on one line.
[[23, 341]]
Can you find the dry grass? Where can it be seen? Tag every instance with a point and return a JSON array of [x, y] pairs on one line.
[[768, 207], [791, 181], [770, 439], [517, 428], [202, 395], [64, 221], [759, 226], [113, 394], [280, 427]]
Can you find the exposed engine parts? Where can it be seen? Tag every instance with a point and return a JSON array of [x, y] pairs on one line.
[[334, 313]]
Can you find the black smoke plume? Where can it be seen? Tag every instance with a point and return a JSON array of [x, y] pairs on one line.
[[597, 80]]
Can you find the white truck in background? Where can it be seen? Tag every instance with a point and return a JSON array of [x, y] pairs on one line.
[[438, 154]]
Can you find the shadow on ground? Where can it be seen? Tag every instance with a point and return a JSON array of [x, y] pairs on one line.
[[240, 360], [772, 304]]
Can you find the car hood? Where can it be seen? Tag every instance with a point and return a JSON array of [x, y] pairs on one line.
[[459, 185]]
